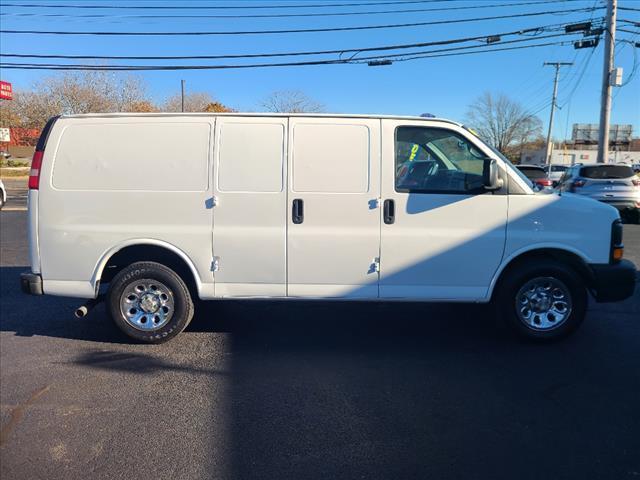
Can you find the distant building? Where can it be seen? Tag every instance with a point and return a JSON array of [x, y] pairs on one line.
[[586, 134], [566, 156], [583, 147]]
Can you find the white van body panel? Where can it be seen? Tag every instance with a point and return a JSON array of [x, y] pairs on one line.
[[79, 224], [559, 221], [250, 216], [217, 190], [69, 288], [205, 290], [32, 230], [334, 169], [441, 246]]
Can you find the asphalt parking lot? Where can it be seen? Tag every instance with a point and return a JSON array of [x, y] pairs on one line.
[[312, 390]]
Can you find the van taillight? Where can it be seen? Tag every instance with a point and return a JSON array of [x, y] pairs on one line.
[[36, 162], [34, 174], [617, 247]]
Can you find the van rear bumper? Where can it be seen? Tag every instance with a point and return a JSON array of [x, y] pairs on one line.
[[31, 283], [613, 282]]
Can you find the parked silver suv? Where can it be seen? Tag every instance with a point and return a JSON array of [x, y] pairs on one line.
[[615, 184]]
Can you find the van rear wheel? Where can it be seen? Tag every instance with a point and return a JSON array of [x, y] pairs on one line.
[[542, 300], [149, 302]]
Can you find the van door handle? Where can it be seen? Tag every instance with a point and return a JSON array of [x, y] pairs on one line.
[[297, 214], [389, 214]]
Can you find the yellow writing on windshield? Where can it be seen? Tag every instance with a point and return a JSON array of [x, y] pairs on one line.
[[414, 152]]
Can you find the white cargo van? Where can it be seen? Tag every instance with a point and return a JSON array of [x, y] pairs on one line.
[[158, 209]]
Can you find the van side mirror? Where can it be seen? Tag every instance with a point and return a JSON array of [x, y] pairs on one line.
[[491, 174]]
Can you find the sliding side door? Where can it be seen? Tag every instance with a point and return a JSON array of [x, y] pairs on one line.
[[333, 215]]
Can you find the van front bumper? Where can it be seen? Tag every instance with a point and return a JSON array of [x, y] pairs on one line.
[[613, 282], [31, 283]]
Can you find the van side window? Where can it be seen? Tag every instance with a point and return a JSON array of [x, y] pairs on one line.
[[436, 160]]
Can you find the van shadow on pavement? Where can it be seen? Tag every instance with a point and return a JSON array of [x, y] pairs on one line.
[[353, 390], [370, 390], [307, 323]]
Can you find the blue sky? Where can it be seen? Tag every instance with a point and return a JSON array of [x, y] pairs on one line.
[[443, 86]]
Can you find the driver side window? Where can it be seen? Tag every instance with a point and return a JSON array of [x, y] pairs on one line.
[[436, 160]]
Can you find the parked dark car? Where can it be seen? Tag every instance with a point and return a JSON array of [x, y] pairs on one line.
[[537, 174], [615, 184]]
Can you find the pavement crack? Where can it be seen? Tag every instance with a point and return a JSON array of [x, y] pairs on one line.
[[18, 412]]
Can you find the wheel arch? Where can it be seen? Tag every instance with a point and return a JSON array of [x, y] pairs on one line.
[[135, 250], [567, 256]]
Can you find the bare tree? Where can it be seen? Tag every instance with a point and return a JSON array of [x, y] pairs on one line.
[[78, 92], [291, 101], [142, 106], [91, 92], [503, 122], [217, 107], [194, 102]]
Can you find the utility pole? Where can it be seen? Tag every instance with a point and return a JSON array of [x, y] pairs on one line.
[[605, 101], [557, 65], [182, 95]]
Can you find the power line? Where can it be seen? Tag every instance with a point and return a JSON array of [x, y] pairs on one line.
[[535, 96], [536, 106], [583, 70], [36, 66], [304, 30], [228, 7], [419, 56], [634, 68], [632, 22], [534, 30], [283, 15], [404, 56]]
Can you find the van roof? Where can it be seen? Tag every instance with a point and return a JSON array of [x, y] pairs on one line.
[[257, 114]]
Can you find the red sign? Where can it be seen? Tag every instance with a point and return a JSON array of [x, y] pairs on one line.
[[6, 92]]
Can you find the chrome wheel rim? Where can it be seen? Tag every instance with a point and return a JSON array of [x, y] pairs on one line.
[[543, 303], [147, 304]]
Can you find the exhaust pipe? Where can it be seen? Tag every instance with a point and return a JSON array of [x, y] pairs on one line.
[[83, 310]]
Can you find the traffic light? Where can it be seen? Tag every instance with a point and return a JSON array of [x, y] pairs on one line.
[[588, 43]]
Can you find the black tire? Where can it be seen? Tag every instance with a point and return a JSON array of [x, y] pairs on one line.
[[1, 201], [518, 276], [181, 302]]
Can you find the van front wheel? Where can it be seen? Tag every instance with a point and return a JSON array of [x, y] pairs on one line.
[[542, 300], [149, 302]]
